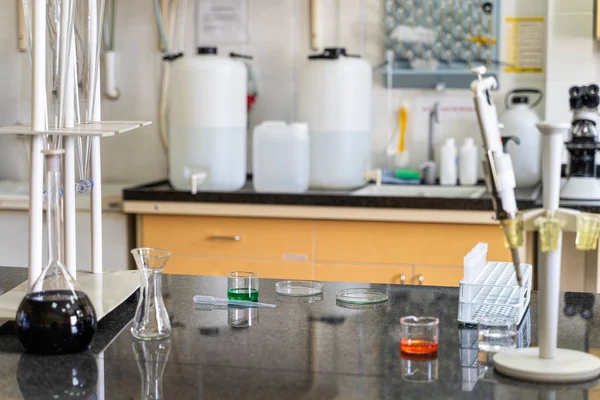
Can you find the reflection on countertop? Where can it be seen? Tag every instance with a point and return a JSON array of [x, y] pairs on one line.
[[300, 350]]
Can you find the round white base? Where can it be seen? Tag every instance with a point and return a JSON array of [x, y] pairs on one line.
[[569, 366]]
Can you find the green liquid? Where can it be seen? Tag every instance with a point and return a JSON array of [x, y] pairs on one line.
[[243, 294]]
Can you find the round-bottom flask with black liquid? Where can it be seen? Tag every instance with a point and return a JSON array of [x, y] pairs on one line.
[[56, 316]]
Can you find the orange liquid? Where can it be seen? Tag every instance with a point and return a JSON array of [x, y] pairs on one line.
[[418, 346]]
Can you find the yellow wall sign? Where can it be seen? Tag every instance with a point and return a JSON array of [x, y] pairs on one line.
[[525, 45]]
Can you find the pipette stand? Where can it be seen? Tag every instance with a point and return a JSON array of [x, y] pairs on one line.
[[547, 363], [107, 290]]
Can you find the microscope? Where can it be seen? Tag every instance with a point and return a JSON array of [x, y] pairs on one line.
[[582, 183]]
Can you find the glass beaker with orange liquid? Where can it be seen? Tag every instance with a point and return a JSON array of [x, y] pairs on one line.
[[419, 335]]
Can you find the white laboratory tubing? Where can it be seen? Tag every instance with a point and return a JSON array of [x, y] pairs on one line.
[[110, 63], [38, 123]]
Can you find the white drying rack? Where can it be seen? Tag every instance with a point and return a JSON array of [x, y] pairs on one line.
[[106, 290]]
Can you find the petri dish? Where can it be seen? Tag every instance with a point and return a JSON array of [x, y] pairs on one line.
[[361, 296], [298, 288], [299, 299], [353, 306]]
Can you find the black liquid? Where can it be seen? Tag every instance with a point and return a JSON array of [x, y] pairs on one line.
[[56, 322]]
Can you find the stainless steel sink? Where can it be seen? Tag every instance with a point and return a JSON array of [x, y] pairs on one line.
[[454, 192]]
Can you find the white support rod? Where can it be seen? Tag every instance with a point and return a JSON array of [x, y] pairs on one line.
[[70, 86], [70, 211], [549, 296], [96, 207], [96, 165], [100, 386], [38, 122], [38, 86], [94, 70], [64, 55], [552, 146], [36, 212], [549, 271], [69, 167]]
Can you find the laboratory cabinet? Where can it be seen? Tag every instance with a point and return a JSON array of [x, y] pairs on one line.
[[356, 251]]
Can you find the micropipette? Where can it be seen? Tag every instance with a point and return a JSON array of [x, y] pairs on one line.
[[499, 172], [244, 303]]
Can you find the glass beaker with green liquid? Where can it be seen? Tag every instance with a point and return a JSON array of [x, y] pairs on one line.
[[242, 285]]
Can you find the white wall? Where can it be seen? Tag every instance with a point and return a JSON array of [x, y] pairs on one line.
[[279, 40], [572, 56]]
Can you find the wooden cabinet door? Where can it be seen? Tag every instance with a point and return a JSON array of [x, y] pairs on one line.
[[437, 276], [262, 238], [397, 274], [405, 243]]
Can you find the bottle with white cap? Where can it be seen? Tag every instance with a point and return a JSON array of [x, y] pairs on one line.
[[448, 163], [468, 165]]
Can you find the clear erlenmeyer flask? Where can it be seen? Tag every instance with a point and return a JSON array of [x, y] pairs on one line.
[[56, 316], [151, 321]]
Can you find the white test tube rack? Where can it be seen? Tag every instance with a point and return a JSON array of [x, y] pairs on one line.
[[122, 283], [548, 363]]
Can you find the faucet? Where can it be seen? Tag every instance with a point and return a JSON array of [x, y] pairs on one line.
[[429, 166]]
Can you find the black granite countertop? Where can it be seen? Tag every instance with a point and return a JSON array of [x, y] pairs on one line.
[[162, 191], [297, 351]]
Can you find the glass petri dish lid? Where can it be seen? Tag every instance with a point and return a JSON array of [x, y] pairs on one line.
[[361, 296], [299, 299], [298, 288]]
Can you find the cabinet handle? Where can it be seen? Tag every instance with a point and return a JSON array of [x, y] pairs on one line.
[[419, 279], [402, 279], [235, 238]]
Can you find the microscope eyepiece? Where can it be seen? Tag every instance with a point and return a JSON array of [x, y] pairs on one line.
[[584, 96], [574, 92]]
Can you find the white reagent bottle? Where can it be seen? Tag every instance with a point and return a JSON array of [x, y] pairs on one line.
[[468, 166], [448, 163]]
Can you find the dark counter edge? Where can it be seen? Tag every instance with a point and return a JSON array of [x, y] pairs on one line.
[[150, 192]]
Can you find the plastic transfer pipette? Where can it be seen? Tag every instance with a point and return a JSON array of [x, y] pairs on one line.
[[243, 303]]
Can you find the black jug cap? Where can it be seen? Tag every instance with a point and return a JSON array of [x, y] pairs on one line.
[[519, 100], [331, 53], [207, 50]]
